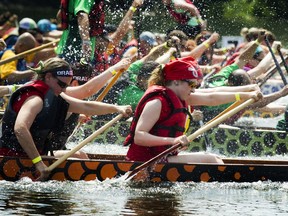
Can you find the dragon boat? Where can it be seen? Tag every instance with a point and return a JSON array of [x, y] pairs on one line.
[[101, 167], [227, 141]]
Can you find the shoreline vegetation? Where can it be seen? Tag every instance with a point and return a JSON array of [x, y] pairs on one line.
[[162, 21]]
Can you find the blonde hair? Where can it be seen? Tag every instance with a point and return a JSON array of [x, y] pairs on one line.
[[48, 66], [157, 77]]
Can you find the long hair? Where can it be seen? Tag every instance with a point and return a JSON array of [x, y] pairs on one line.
[[157, 77]]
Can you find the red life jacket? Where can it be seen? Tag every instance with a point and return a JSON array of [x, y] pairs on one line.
[[101, 62], [117, 54], [96, 16], [182, 18], [170, 124]]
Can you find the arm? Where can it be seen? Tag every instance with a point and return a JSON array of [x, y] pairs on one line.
[[17, 76], [218, 98], [84, 28], [246, 88], [267, 99], [200, 49], [96, 83], [161, 49], [165, 58], [26, 116], [180, 4], [147, 121], [94, 107], [123, 27], [248, 53], [145, 124], [264, 65]]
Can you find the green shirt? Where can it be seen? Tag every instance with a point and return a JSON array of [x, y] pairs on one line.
[[221, 77], [219, 80], [130, 96], [134, 69], [71, 43]]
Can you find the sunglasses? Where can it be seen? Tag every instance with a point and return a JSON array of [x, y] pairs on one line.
[[192, 84], [62, 84]]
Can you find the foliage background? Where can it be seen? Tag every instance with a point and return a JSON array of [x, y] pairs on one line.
[[224, 16]]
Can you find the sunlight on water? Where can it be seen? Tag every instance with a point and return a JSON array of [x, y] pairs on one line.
[[119, 197]]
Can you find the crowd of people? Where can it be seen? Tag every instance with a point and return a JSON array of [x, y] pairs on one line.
[[163, 78]]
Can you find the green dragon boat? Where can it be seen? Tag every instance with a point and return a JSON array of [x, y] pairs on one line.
[[228, 141]]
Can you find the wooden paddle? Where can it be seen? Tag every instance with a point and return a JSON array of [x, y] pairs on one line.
[[206, 127], [84, 142], [36, 49], [232, 106], [99, 98], [109, 86]]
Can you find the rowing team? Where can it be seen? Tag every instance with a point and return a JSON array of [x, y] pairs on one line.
[[41, 115]]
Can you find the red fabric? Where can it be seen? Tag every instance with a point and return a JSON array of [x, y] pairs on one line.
[[96, 17], [64, 13], [232, 59], [23, 97], [142, 153], [182, 18], [182, 68]]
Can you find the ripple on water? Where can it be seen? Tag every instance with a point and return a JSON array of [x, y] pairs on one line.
[[119, 197]]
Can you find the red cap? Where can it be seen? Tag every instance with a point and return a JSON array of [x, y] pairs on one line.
[[182, 68]]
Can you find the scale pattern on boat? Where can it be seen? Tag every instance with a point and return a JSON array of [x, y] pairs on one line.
[[11, 169], [228, 142]]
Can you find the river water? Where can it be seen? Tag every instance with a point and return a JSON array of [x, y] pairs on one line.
[[119, 197]]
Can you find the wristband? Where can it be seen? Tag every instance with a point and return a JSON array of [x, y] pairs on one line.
[[166, 46], [200, 20], [208, 69], [206, 44], [113, 72], [257, 42], [237, 97], [14, 88], [37, 160], [133, 9], [225, 50]]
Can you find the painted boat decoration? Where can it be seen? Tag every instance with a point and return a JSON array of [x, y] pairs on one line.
[[226, 141], [101, 167], [271, 86]]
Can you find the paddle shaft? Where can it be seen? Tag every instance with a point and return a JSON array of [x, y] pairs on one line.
[[207, 143], [276, 62], [269, 74], [36, 49], [282, 58], [99, 98], [191, 137], [84, 142], [109, 86]]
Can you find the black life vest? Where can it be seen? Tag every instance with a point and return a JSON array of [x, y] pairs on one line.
[[51, 117]]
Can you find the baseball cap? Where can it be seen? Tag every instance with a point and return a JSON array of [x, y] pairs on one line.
[[182, 68], [27, 23], [149, 37], [44, 25]]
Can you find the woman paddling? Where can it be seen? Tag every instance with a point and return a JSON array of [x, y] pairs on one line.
[[38, 108], [160, 116]]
